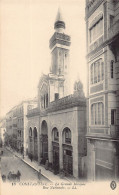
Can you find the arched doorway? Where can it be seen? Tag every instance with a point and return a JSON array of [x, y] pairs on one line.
[[44, 142], [35, 155], [30, 149], [55, 147], [67, 151]]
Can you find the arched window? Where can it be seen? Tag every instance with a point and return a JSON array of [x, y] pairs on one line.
[[55, 134], [30, 131], [44, 128], [46, 100], [67, 135], [112, 69], [97, 114], [35, 132]]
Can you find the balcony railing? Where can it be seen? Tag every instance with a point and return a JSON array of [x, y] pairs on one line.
[[114, 131], [59, 36], [114, 29]]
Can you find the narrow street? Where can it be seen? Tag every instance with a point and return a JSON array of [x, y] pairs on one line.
[[9, 162]]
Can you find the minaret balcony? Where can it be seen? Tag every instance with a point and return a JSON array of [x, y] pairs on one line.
[[60, 38]]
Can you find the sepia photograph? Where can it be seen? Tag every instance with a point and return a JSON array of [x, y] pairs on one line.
[[59, 97]]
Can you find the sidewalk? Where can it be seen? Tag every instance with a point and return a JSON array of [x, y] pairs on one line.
[[46, 173]]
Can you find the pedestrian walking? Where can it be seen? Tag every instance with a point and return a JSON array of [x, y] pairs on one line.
[[31, 157], [9, 175], [4, 178], [39, 174], [18, 175]]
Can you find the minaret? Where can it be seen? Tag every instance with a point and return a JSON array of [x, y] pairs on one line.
[[59, 45], [59, 25]]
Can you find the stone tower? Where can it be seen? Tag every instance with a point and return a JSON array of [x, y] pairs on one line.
[[59, 71]]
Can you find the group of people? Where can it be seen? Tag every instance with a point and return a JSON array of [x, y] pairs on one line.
[[16, 176], [12, 176]]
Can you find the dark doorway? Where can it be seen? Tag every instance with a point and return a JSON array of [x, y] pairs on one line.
[[55, 145], [30, 141], [44, 142], [56, 159], [68, 162], [35, 144]]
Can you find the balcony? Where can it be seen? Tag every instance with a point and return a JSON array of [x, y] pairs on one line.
[[114, 131], [113, 30], [60, 38]]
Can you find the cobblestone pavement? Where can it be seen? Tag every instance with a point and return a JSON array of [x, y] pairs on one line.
[[9, 162]]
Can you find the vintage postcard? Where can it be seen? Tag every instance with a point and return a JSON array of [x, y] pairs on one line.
[[59, 116]]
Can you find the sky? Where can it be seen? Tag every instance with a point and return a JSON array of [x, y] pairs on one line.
[[26, 27]]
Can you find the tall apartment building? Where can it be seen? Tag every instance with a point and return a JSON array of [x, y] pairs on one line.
[[16, 125], [2, 130], [9, 117], [102, 27]]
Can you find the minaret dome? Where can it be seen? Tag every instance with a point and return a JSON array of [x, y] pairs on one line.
[[59, 25]]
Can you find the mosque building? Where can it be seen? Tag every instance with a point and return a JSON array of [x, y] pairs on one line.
[[57, 127]]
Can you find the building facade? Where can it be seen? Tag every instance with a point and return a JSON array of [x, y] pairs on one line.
[[57, 135], [9, 129], [57, 127], [2, 131], [16, 125], [102, 32]]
